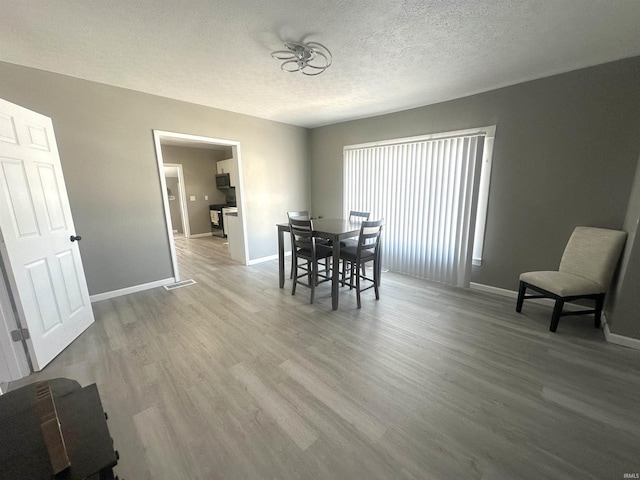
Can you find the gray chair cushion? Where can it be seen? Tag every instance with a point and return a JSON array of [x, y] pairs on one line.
[[562, 283], [350, 254]]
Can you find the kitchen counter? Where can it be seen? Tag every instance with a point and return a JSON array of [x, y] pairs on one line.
[[234, 235]]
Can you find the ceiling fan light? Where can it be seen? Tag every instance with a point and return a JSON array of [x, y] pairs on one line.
[[301, 57]]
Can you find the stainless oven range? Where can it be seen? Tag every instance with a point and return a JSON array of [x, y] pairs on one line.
[[216, 214]]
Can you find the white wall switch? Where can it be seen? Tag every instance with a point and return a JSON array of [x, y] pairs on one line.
[[206, 197], [192, 198]]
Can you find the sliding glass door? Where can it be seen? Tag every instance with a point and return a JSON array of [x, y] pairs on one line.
[[427, 192]]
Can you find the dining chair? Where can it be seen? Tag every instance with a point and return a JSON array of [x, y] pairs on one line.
[[304, 215], [301, 214], [585, 271], [304, 246], [354, 259], [354, 216]]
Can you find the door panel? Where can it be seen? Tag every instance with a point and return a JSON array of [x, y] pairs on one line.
[[51, 193], [44, 267], [45, 307], [19, 198]]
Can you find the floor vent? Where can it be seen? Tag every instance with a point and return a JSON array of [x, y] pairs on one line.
[[183, 283]]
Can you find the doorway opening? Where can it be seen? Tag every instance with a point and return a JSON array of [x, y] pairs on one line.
[[199, 197], [176, 193]]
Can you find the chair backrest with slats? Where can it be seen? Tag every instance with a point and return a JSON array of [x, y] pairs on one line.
[[358, 216], [369, 239], [301, 215], [593, 253], [301, 234]]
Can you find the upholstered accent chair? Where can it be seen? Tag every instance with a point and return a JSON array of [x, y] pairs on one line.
[[587, 266]]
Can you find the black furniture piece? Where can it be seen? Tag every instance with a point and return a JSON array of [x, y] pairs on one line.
[[300, 215], [306, 252], [332, 229], [304, 215], [23, 451], [355, 258], [355, 217]]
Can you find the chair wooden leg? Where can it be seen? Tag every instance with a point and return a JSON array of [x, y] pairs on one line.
[[599, 306], [351, 270], [313, 268], [294, 272], [376, 282], [344, 271], [555, 318], [521, 291], [357, 268]]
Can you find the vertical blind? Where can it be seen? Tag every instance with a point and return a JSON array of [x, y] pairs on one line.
[[426, 192]]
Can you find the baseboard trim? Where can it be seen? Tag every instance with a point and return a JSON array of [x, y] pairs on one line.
[[495, 290], [628, 342], [126, 291], [198, 235], [266, 259], [609, 337]]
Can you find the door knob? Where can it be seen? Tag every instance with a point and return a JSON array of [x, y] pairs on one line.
[[73, 238]]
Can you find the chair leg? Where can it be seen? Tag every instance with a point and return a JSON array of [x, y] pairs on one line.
[[294, 273], [357, 268], [555, 318], [376, 281], [521, 291], [313, 268], [351, 270], [599, 306]]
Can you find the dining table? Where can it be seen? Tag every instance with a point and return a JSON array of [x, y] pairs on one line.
[[334, 229]]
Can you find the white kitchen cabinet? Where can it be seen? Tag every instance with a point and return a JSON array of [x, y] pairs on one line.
[[229, 166]]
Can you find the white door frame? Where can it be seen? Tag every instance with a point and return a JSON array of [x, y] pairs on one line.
[[158, 136], [184, 211], [13, 355]]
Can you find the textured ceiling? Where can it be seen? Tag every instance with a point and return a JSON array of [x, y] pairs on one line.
[[389, 55]]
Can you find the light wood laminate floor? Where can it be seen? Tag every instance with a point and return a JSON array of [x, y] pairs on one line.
[[234, 378]]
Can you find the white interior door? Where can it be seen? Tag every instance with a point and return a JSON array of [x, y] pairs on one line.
[[39, 247]]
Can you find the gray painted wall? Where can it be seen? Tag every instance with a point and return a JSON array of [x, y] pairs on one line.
[[199, 169], [624, 318], [565, 154], [105, 138]]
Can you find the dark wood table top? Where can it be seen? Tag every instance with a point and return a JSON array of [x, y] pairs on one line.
[[331, 227]]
